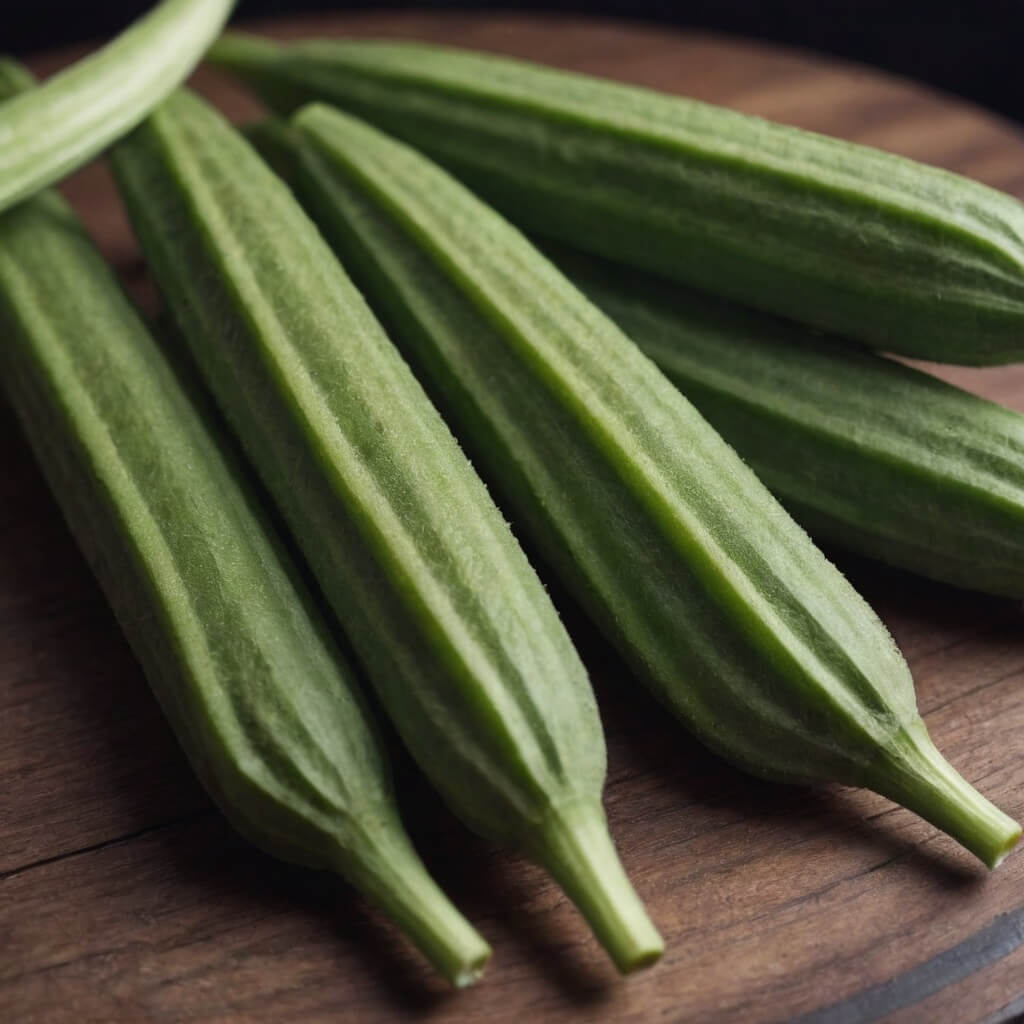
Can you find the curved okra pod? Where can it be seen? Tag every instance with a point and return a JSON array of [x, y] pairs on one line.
[[53, 129]]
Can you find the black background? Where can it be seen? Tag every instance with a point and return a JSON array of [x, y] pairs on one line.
[[973, 49]]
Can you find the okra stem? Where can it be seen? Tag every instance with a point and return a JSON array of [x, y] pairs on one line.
[[575, 847], [921, 779], [393, 876]]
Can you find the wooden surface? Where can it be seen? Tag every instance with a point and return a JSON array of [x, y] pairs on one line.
[[125, 897]]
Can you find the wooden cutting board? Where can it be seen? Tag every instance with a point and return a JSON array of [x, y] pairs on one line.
[[125, 897]]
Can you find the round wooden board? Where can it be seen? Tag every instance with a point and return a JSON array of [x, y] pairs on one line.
[[124, 896]]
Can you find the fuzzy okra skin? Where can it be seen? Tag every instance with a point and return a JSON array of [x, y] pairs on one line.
[[902, 256], [739, 624], [53, 129], [866, 453], [261, 700], [457, 634]]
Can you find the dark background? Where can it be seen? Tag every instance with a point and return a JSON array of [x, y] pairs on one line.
[[973, 49]]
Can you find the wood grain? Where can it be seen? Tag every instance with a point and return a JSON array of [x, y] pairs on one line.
[[125, 897]]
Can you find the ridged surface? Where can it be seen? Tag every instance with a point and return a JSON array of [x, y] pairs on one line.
[[774, 900], [734, 617], [247, 678], [461, 641], [257, 693], [664, 533], [906, 257], [867, 453], [458, 635]]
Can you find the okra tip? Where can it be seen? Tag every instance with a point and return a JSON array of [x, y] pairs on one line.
[[917, 776], [389, 872], [575, 847]]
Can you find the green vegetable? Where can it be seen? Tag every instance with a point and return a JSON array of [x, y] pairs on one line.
[[51, 130], [459, 638], [863, 451], [902, 256], [681, 555], [264, 706]]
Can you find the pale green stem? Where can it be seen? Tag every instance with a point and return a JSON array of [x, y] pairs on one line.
[[917, 776], [390, 873], [575, 847]]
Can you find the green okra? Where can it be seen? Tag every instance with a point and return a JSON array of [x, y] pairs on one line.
[[864, 452], [738, 623], [265, 707], [902, 256], [49, 131], [457, 634]]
